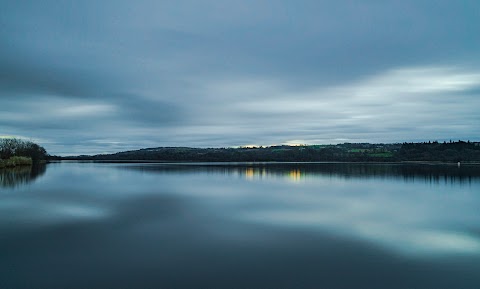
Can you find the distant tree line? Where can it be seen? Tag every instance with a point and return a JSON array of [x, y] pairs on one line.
[[446, 151], [13, 147], [348, 152]]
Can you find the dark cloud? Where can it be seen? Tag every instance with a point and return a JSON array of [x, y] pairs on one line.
[[150, 112]]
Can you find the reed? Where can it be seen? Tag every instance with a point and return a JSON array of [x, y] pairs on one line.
[[15, 161]]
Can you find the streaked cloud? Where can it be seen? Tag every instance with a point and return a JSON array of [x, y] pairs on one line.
[[223, 73]]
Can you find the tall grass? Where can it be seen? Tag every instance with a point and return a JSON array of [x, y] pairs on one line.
[[15, 161]]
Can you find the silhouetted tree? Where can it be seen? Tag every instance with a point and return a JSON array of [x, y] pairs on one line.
[[10, 147]]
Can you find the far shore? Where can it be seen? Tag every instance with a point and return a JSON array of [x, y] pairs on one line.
[[261, 162]]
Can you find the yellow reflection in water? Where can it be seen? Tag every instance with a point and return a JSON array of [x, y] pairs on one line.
[[253, 173], [249, 173], [295, 175]]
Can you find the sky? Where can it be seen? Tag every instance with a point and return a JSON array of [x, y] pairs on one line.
[[90, 77]]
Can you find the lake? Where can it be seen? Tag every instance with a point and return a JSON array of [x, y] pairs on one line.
[[240, 225]]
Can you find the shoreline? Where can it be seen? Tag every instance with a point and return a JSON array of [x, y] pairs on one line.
[[264, 162]]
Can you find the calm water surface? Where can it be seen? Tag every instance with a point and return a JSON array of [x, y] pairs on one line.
[[91, 225]]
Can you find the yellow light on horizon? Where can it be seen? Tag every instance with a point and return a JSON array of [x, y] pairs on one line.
[[250, 146]]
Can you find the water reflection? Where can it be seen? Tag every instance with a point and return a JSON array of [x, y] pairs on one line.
[[295, 175], [21, 175], [337, 226], [250, 173], [381, 203], [433, 173]]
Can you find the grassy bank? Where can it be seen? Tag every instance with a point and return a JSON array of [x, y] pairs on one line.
[[15, 161]]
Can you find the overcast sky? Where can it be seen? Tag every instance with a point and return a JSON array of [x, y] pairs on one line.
[[88, 77]]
